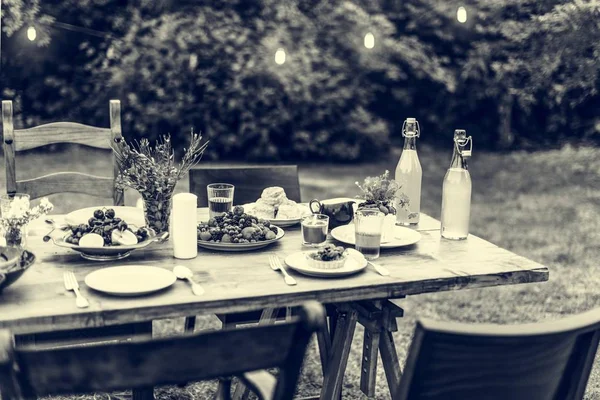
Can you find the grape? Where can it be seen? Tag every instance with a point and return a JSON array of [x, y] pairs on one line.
[[110, 213], [99, 214]]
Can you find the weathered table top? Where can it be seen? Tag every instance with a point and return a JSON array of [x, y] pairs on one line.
[[244, 281]]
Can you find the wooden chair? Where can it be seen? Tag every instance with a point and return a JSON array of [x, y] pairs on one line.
[[26, 373], [16, 140], [249, 181], [542, 361]]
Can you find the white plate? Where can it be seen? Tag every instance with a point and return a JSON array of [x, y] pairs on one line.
[[403, 236], [298, 262], [130, 280], [240, 246], [131, 215]]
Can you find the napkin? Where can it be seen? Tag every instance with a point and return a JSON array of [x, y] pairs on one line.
[[183, 226]]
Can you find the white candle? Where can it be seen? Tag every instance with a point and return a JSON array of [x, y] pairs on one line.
[[184, 225]]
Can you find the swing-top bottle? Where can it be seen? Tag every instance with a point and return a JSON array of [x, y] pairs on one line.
[[409, 174], [456, 191]]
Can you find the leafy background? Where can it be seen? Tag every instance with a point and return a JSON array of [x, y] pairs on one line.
[[519, 74]]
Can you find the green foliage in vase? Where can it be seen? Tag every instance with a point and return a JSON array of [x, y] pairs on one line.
[[382, 192], [152, 171]]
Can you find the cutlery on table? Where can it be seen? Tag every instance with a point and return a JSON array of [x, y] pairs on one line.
[[62, 227], [277, 266], [184, 273], [358, 256], [71, 284]]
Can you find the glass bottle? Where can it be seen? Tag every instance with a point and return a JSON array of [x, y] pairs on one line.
[[456, 191], [409, 174]]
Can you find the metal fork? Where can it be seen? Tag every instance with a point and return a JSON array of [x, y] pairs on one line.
[[71, 284], [277, 266]]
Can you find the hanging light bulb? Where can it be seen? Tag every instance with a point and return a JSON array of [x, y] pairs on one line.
[[280, 56], [461, 15], [31, 33], [369, 40]]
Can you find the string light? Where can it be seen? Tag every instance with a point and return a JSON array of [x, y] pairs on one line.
[[31, 33], [369, 40], [280, 56], [461, 15]]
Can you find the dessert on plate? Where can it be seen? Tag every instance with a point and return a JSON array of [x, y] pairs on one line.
[[273, 204], [328, 257]]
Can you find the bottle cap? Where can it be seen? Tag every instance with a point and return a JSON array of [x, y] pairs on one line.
[[461, 141], [411, 128]]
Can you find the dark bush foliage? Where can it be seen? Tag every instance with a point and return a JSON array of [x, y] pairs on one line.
[[522, 74]]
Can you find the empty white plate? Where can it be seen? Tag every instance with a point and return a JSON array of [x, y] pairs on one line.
[[298, 262], [403, 236], [130, 280]]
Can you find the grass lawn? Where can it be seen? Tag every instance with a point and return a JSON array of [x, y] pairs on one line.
[[543, 206]]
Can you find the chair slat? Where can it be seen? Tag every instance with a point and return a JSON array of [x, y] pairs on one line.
[[62, 132], [67, 182], [249, 181]]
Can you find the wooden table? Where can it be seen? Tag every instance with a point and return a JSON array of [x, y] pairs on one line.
[[237, 282]]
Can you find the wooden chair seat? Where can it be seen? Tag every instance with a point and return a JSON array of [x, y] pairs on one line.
[[542, 361], [141, 363]]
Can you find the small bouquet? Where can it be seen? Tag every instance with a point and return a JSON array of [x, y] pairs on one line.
[[382, 192], [152, 171], [16, 214]]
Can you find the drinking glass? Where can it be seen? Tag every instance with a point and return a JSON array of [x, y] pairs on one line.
[[368, 227], [220, 198], [314, 230]]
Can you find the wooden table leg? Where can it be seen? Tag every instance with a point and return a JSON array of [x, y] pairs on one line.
[[389, 359], [344, 332], [324, 341], [368, 372]]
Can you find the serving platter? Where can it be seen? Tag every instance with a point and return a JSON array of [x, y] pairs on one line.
[[297, 262], [108, 253], [402, 236], [130, 280], [241, 246]]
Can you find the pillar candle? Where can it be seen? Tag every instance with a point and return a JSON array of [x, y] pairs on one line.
[[184, 225]]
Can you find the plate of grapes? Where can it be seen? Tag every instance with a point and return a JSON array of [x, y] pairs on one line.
[[237, 230], [105, 237]]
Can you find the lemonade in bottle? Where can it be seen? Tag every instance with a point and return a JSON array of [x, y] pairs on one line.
[[456, 191], [409, 174]]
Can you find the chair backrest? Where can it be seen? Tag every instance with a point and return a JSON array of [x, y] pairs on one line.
[[249, 181], [542, 361], [26, 373], [15, 140]]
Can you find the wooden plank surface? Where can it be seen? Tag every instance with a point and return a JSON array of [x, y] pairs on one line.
[[236, 282], [67, 182], [62, 132]]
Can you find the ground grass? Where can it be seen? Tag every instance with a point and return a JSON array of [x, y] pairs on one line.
[[542, 205]]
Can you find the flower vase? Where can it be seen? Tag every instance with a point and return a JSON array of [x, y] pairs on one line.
[[16, 236], [157, 211]]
